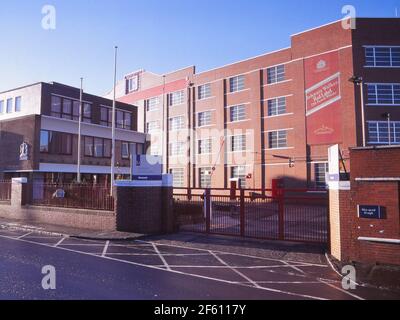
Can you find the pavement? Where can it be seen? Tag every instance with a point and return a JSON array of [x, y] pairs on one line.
[[176, 267]]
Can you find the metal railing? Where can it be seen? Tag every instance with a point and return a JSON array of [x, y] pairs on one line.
[[254, 214], [79, 196], [5, 190]]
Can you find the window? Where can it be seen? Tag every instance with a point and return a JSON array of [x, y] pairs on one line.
[[238, 143], [55, 142], [176, 123], [204, 91], [205, 146], [97, 147], [1, 106], [44, 141], [56, 106], [69, 109], [87, 113], [123, 119], [176, 98], [236, 83], [277, 139], [239, 172], [382, 56], [152, 104], [152, 126], [178, 177], [204, 118], [237, 113], [276, 106], [320, 174], [383, 94], [75, 110], [176, 148], [18, 104], [276, 74], [9, 105], [106, 116], [205, 177], [132, 84], [378, 132], [155, 149], [125, 150]]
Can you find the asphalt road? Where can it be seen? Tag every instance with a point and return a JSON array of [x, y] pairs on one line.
[[148, 270]]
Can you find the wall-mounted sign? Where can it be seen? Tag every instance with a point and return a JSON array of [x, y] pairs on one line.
[[371, 212], [23, 151], [147, 168]]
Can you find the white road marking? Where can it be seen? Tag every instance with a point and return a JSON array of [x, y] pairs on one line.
[[342, 290], [156, 254], [237, 254], [24, 235], [172, 271], [105, 249], [59, 242], [234, 270], [292, 266], [161, 257]]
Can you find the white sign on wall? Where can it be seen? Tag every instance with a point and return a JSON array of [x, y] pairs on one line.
[[146, 167]]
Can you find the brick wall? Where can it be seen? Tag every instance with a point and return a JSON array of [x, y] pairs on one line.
[[145, 210], [379, 164]]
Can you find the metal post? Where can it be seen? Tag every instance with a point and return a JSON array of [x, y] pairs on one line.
[[361, 84], [207, 199], [113, 123], [281, 218], [78, 177], [242, 213], [389, 130]]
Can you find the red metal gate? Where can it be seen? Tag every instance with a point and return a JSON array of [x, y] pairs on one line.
[[295, 215]]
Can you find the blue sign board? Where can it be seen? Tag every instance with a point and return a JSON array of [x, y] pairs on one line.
[[147, 177], [370, 212]]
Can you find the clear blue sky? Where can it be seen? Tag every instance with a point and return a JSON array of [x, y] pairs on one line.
[[157, 35]]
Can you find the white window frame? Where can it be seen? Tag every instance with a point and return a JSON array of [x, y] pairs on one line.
[[176, 149], [238, 143], [207, 118], [374, 56], [274, 106], [237, 83], [176, 98], [237, 113], [204, 91], [278, 138], [153, 104], [393, 132], [205, 146], [390, 86], [181, 181], [176, 123], [151, 129], [277, 75]]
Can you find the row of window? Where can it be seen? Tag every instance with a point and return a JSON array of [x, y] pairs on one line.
[[11, 105], [236, 84], [60, 143], [240, 172], [205, 174], [67, 108], [380, 131], [237, 113], [382, 56], [383, 94]]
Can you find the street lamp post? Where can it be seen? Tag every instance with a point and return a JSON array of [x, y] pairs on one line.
[[113, 123], [387, 117], [359, 82], [78, 177]]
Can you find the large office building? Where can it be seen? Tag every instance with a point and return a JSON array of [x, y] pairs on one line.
[[274, 116], [39, 135]]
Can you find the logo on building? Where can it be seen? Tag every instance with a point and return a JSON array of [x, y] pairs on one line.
[[321, 65], [23, 151], [324, 130], [133, 82]]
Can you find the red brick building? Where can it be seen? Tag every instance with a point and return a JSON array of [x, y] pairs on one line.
[[275, 115]]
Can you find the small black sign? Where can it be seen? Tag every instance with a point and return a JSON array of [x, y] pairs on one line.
[[370, 212]]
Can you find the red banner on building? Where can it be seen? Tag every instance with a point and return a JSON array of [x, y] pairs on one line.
[[323, 99]]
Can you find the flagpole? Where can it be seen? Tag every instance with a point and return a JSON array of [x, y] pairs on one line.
[[80, 133], [113, 123]]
